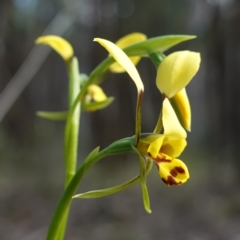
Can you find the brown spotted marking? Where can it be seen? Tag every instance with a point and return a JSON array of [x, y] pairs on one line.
[[171, 181], [180, 170], [162, 158], [174, 172]]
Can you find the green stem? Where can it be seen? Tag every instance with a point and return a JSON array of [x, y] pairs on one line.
[[63, 207], [71, 135], [159, 124], [73, 123], [157, 58], [118, 147]]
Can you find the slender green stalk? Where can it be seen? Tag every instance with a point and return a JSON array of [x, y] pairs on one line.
[[157, 58], [63, 207], [159, 124], [71, 135], [119, 147]]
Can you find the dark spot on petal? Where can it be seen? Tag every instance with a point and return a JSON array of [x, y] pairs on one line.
[[149, 154], [180, 170], [162, 158], [174, 172], [171, 181]]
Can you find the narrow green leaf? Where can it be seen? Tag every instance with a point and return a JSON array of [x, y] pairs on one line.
[[146, 201], [108, 191], [124, 145], [56, 116], [144, 168], [92, 154], [93, 106], [156, 44]]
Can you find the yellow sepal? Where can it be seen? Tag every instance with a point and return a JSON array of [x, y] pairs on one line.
[[176, 71], [171, 125], [60, 45], [125, 42], [182, 108], [123, 60], [173, 171]]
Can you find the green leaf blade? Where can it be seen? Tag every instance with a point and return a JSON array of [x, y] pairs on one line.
[[108, 191], [55, 116], [156, 44]]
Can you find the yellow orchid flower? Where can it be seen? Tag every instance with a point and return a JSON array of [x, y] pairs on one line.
[[125, 42], [60, 45], [164, 148], [182, 108], [176, 71]]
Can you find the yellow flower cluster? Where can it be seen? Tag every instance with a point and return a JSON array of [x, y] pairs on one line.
[[173, 74]]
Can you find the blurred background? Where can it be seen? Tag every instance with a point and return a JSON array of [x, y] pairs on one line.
[[31, 149]]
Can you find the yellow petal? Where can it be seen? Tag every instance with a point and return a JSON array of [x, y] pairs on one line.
[[182, 108], [123, 60], [125, 42], [173, 172], [176, 71], [155, 146], [171, 125], [173, 147], [60, 45], [145, 141]]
